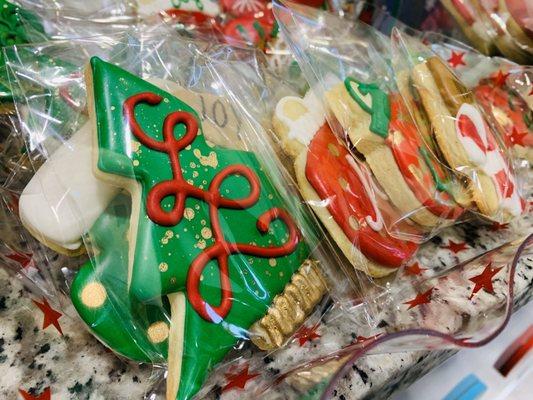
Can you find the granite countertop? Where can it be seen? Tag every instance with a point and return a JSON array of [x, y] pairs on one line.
[[44, 353]]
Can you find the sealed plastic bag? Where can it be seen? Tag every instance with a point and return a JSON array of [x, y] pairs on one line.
[[114, 291], [496, 25], [501, 87], [203, 199]]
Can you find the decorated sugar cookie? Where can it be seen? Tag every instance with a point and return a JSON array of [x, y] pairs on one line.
[[99, 293], [60, 204], [207, 230], [340, 189], [380, 127], [473, 22], [466, 141]]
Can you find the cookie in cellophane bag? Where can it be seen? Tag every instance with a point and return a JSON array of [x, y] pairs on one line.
[[384, 185], [466, 141], [502, 88], [195, 243]]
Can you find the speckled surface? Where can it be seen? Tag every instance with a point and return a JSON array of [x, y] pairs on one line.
[[76, 366]]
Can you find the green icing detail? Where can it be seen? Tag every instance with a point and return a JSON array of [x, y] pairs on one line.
[[439, 184], [121, 322], [254, 281], [380, 109]]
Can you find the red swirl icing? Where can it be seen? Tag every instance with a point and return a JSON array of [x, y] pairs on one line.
[[329, 171], [406, 145], [180, 189]]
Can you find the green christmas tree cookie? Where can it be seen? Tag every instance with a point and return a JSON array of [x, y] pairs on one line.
[[208, 229]]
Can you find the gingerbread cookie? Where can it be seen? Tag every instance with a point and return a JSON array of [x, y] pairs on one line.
[[340, 189], [380, 127], [207, 230], [60, 204], [466, 141]]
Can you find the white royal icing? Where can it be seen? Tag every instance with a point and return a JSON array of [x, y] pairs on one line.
[[490, 162], [304, 127], [64, 198], [370, 190]]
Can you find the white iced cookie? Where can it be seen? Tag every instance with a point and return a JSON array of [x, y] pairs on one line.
[[296, 120], [64, 198], [209, 7]]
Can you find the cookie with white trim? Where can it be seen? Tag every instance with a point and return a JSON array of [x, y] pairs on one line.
[[466, 141], [340, 189], [380, 126], [208, 230]]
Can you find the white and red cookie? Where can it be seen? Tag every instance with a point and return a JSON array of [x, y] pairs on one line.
[[341, 190], [380, 127], [466, 142]]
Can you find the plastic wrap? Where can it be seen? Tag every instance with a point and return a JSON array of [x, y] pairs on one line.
[[496, 25], [147, 152], [211, 247], [501, 87]]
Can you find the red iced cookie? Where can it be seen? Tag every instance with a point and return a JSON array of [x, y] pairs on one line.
[[354, 202]]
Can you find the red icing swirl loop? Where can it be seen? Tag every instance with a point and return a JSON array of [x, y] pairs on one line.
[[181, 190]]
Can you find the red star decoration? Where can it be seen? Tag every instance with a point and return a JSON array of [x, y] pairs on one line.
[[305, 334], [421, 298], [500, 78], [414, 269], [484, 280], [455, 247], [45, 395], [517, 138], [496, 226], [24, 259], [51, 316], [456, 59], [238, 380]]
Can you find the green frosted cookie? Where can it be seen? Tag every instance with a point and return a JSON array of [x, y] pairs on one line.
[[208, 229]]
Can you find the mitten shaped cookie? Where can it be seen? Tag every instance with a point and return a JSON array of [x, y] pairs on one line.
[[340, 189], [381, 127]]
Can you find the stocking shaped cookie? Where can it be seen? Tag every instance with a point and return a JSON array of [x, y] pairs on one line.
[[341, 190], [208, 229], [99, 292], [381, 128]]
